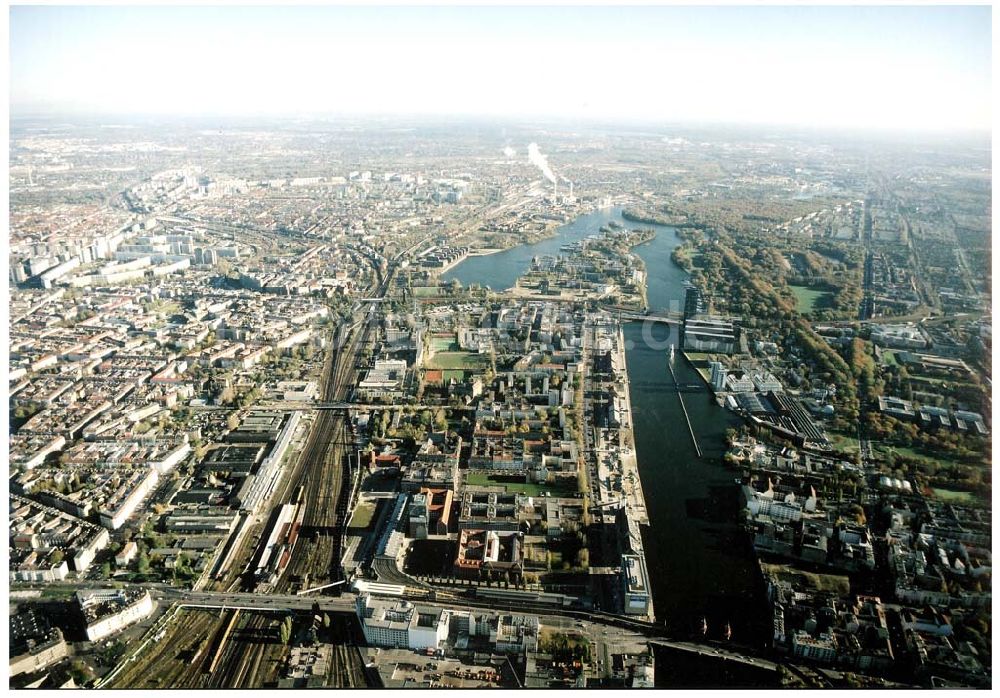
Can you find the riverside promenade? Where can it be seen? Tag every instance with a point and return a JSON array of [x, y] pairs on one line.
[[635, 500]]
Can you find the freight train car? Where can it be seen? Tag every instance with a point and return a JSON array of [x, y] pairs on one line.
[[282, 539]]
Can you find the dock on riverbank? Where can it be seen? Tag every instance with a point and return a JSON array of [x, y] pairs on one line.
[[635, 500], [622, 476]]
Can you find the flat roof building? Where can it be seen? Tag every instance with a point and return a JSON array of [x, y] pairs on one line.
[[710, 334], [385, 379], [399, 623], [635, 586], [106, 611]]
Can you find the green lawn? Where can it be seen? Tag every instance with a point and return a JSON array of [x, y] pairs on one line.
[[956, 496], [457, 360], [698, 358], [166, 307], [553, 639], [808, 298], [531, 489], [800, 578], [915, 454], [927, 380], [940, 384], [889, 358], [362, 517], [842, 442], [444, 344], [699, 361]]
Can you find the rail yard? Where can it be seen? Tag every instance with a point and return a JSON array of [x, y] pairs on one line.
[[299, 547], [302, 548], [320, 403]]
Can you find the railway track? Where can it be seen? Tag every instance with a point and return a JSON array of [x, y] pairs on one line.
[[250, 655], [346, 665], [322, 473], [340, 674], [168, 663], [238, 577], [322, 469], [318, 469], [181, 660]]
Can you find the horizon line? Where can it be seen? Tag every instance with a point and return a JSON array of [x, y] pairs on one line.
[[17, 113]]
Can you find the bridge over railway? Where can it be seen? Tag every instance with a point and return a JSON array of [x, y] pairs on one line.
[[303, 406], [346, 603]]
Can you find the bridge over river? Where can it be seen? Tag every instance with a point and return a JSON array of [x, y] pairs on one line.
[[666, 316]]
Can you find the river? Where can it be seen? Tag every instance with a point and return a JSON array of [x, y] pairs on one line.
[[698, 561], [499, 271]]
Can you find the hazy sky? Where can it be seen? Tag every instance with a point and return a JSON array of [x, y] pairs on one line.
[[923, 67]]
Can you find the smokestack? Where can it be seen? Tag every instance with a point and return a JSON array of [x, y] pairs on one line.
[[555, 189]]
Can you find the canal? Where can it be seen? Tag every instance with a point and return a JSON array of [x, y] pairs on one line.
[[699, 563]]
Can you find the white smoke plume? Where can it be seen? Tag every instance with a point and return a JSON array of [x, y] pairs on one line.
[[540, 161], [509, 152]]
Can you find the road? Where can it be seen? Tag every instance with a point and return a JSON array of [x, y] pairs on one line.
[[611, 635], [321, 471]]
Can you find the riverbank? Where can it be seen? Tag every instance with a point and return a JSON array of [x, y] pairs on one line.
[[704, 374], [451, 265], [481, 252], [697, 558], [700, 563], [635, 498], [610, 454], [641, 264], [501, 269]]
